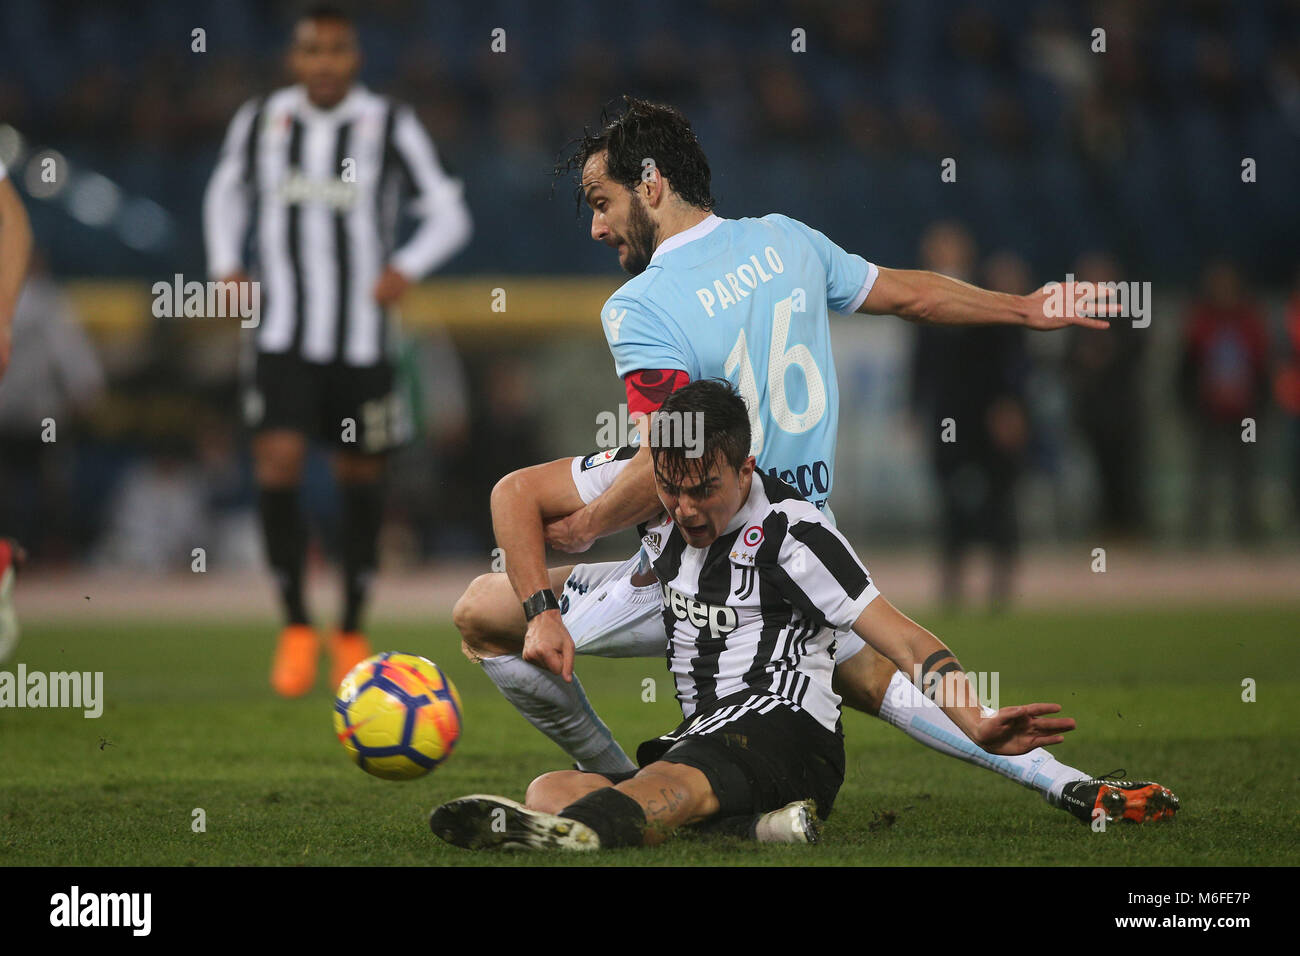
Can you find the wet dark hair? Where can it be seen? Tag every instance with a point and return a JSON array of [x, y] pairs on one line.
[[643, 130], [726, 431]]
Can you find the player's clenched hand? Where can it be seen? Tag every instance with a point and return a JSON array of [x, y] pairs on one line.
[[1018, 730], [392, 285], [569, 533], [1059, 304], [547, 644]]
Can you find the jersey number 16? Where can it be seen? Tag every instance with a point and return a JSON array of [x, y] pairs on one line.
[[779, 361]]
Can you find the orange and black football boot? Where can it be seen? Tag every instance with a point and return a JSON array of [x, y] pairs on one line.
[[348, 649], [293, 672], [1136, 801]]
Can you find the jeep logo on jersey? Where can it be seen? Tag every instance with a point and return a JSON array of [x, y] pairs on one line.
[[720, 619], [298, 189]]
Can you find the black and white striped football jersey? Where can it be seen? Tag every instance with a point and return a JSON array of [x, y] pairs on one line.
[[321, 191], [760, 609]]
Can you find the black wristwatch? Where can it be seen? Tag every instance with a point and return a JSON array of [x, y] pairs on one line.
[[543, 600]]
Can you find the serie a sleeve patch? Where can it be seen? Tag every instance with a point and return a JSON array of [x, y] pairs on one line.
[[598, 458]]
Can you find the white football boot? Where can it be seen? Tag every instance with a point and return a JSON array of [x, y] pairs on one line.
[[794, 823]]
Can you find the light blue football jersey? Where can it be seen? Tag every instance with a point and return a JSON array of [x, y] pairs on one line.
[[748, 300]]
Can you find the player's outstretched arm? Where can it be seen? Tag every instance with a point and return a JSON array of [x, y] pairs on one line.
[[920, 296], [627, 502], [928, 663], [15, 249], [522, 501]]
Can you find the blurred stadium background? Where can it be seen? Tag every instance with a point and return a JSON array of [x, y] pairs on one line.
[[1123, 165]]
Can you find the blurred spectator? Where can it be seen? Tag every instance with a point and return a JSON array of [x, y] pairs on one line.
[[974, 377], [786, 111], [885, 79], [1224, 380], [419, 523], [229, 495], [158, 515], [1286, 389], [1103, 370], [56, 377], [505, 425]]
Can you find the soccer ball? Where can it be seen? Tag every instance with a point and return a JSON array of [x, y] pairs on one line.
[[397, 715]]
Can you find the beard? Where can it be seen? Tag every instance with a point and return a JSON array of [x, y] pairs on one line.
[[640, 238]]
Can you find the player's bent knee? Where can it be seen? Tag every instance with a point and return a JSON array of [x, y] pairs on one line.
[[470, 613], [463, 614], [552, 792], [540, 794], [683, 791]]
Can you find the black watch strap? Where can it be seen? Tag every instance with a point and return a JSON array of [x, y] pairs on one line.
[[543, 600]]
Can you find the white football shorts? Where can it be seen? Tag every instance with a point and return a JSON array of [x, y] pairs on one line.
[[609, 617]]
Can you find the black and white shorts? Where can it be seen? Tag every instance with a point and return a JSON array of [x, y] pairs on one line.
[[758, 752], [359, 409]]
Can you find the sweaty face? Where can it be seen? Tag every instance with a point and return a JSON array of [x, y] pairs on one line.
[[325, 59], [703, 502], [619, 218]]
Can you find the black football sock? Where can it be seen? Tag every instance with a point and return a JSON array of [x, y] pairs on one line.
[[362, 515], [285, 533], [617, 819]]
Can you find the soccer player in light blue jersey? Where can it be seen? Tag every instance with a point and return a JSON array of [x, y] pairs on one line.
[[747, 300]]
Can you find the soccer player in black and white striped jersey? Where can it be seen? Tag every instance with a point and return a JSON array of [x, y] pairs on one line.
[[756, 587], [317, 170]]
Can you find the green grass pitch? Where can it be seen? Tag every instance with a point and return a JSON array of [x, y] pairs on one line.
[[189, 722]]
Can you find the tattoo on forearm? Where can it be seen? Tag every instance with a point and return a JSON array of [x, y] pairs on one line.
[[931, 674], [934, 659]]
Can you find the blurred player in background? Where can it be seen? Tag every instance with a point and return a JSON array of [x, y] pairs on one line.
[[15, 251], [976, 377], [747, 300], [1224, 380], [320, 167], [1286, 387]]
